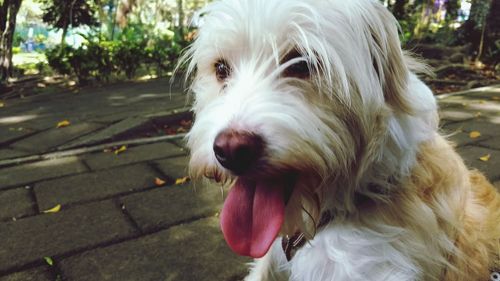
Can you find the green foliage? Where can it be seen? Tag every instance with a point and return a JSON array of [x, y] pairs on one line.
[[59, 60], [17, 39], [69, 13], [99, 59], [130, 50]]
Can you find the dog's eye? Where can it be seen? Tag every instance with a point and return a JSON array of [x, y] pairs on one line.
[[299, 69], [222, 70]]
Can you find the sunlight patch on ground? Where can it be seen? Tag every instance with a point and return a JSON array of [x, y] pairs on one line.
[[494, 119], [56, 162], [486, 106], [117, 98], [28, 58], [147, 77], [16, 119]]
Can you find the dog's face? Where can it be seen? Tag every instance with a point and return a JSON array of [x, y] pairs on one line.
[[290, 96]]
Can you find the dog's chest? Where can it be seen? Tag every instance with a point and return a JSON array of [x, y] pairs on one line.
[[349, 253]]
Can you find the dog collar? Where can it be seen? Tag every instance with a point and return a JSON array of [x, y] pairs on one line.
[[291, 244]]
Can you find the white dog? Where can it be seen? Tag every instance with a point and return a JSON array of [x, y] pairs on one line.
[[314, 114]]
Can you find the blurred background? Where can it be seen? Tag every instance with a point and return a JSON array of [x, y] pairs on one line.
[[70, 43]]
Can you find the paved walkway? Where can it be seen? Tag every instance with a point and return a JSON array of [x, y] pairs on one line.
[[122, 216]]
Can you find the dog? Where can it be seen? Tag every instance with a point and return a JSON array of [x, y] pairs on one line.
[[315, 117]]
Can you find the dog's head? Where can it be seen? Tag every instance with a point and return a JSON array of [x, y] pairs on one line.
[[293, 102]]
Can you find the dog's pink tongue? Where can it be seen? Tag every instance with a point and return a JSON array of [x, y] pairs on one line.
[[252, 216]]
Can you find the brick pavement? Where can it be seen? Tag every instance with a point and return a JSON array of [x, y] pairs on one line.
[[116, 223]]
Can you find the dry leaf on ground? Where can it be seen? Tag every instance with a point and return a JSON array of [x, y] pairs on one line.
[[474, 134], [485, 158], [55, 209], [121, 149], [181, 180], [63, 123], [159, 182]]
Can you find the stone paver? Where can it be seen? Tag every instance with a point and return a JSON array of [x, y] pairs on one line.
[[9, 134], [490, 168], [29, 240], [485, 128], [170, 205], [92, 186], [174, 167], [493, 143], [28, 173], [459, 133], [24, 205], [136, 154], [195, 251], [36, 274], [111, 132], [7, 153], [115, 222], [45, 141]]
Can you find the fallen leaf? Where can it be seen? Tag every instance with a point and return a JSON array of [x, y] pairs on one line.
[[485, 158], [63, 123], [49, 260], [159, 182], [181, 180], [186, 123], [121, 149], [474, 134], [56, 209], [170, 131], [495, 98]]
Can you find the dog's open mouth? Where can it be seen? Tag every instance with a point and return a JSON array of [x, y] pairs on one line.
[[253, 214]]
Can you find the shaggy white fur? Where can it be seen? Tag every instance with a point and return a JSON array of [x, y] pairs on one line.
[[348, 124]]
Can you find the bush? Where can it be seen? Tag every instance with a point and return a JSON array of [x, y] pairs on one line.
[[99, 59], [129, 56], [59, 59]]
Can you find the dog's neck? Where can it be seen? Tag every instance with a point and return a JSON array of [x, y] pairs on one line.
[[392, 147]]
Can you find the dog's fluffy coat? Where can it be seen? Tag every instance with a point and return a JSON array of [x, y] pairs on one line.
[[360, 136]]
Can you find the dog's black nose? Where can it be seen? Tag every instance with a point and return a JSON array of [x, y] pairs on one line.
[[237, 151]]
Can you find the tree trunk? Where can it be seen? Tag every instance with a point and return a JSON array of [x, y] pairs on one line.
[[493, 21], [63, 39], [4, 8], [180, 10], [452, 7], [7, 38], [475, 28], [481, 41], [399, 9], [425, 17]]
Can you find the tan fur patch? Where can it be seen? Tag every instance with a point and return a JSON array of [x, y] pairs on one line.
[[467, 207]]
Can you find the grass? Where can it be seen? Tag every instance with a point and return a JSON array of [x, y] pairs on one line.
[[28, 58]]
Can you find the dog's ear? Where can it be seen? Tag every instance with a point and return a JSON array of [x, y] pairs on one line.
[[388, 58]]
